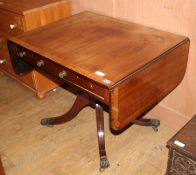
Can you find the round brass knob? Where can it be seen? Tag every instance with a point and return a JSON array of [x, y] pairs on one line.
[[40, 63], [22, 54], [62, 74]]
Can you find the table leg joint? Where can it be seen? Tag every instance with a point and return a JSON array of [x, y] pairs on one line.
[[81, 101], [148, 122]]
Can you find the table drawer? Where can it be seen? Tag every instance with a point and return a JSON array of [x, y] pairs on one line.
[[61, 72], [11, 23], [86, 84]]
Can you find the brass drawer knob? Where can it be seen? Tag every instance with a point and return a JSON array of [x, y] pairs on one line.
[[62, 74], [2, 61], [40, 63], [12, 26], [22, 54]]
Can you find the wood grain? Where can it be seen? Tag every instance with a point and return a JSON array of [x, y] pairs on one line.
[[186, 154], [176, 16], [22, 7], [146, 89], [82, 43], [7, 19], [141, 64], [27, 148], [45, 15], [26, 15]]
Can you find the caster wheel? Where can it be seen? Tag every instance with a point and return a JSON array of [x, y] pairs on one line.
[[47, 122], [155, 122], [155, 128], [104, 163]]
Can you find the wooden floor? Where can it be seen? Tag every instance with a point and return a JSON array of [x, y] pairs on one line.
[[27, 148]]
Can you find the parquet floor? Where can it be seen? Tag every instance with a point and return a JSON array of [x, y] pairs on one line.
[[27, 148]]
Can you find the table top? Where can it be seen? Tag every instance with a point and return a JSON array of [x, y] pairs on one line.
[[99, 47], [186, 136]]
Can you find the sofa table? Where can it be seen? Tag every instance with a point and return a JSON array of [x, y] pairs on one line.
[[126, 67]]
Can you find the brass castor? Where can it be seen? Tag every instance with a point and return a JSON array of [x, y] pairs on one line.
[[155, 128], [155, 124], [47, 122], [104, 163]]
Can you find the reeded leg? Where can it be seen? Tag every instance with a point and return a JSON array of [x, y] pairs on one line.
[[104, 163], [80, 102], [148, 122]]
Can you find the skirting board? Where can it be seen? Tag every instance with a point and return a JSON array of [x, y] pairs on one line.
[[169, 117]]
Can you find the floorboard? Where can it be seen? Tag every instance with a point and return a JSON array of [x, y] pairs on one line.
[[27, 148]]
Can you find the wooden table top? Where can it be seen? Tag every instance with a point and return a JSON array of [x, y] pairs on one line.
[[88, 42], [23, 6]]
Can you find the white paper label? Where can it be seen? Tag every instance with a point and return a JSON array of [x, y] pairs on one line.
[[179, 143], [100, 73], [106, 81]]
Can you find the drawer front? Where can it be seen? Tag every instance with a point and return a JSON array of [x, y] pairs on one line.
[[5, 61], [67, 75], [3, 42], [10, 23], [26, 79], [6, 65]]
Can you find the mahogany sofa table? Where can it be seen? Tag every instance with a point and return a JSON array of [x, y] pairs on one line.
[[127, 67]]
